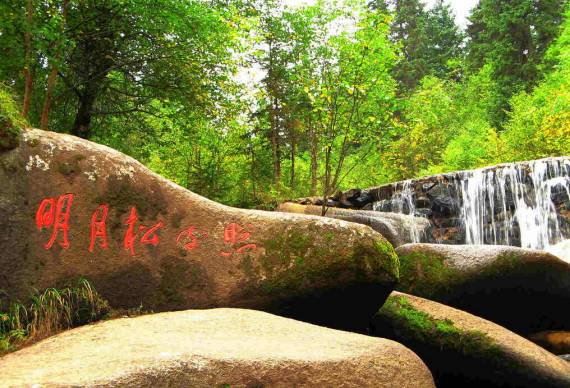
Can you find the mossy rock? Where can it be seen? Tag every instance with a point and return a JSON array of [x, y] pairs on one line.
[[144, 240], [302, 269], [464, 350], [491, 281]]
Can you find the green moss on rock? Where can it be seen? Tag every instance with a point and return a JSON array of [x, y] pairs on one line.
[[420, 327], [70, 166], [426, 275], [296, 260], [429, 275]]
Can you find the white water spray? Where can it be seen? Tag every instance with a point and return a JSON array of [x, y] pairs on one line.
[[507, 204], [403, 202], [510, 200]]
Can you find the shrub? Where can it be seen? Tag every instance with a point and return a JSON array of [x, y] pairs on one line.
[[11, 122]]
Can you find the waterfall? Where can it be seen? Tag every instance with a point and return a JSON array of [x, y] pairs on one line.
[[403, 202], [506, 201], [523, 204]]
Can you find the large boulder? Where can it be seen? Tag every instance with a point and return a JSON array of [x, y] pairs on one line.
[[524, 290], [214, 348], [463, 350], [70, 208], [398, 229]]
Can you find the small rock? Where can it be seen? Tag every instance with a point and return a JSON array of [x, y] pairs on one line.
[[557, 342]]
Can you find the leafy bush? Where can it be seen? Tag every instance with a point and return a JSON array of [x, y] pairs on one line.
[[11, 122]]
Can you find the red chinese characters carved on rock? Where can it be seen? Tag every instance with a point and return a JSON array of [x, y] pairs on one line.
[[149, 237], [55, 214], [98, 227], [234, 235], [192, 237]]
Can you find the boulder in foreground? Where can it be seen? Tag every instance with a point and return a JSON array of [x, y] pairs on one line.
[[71, 208], [463, 350], [524, 290], [214, 348]]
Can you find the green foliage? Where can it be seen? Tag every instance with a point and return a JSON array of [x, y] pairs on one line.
[[446, 127], [444, 51], [409, 30], [513, 36], [429, 41], [11, 122], [539, 124], [50, 312], [345, 94]]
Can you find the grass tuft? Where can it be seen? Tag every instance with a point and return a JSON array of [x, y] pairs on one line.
[[50, 312]]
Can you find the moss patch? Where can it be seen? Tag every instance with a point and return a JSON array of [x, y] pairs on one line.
[[297, 260], [70, 167], [430, 276], [425, 275], [420, 327], [176, 277]]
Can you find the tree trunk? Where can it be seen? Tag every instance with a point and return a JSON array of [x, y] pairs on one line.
[[293, 146], [47, 99], [276, 151], [314, 161], [28, 79], [84, 113], [52, 77], [252, 172], [273, 124], [327, 180]]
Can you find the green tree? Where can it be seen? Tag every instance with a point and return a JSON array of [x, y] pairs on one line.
[[354, 96], [445, 127], [113, 57], [539, 124], [430, 42], [513, 36], [409, 31], [444, 41]]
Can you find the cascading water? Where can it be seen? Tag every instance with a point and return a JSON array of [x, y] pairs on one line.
[[502, 203], [523, 204], [403, 202]]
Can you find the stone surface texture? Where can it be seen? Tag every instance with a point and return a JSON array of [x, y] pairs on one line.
[[213, 348], [396, 228], [463, 350], [184, 251], [524, 290]]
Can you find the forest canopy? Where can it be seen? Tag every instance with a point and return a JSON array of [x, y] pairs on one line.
[[250, 102]]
